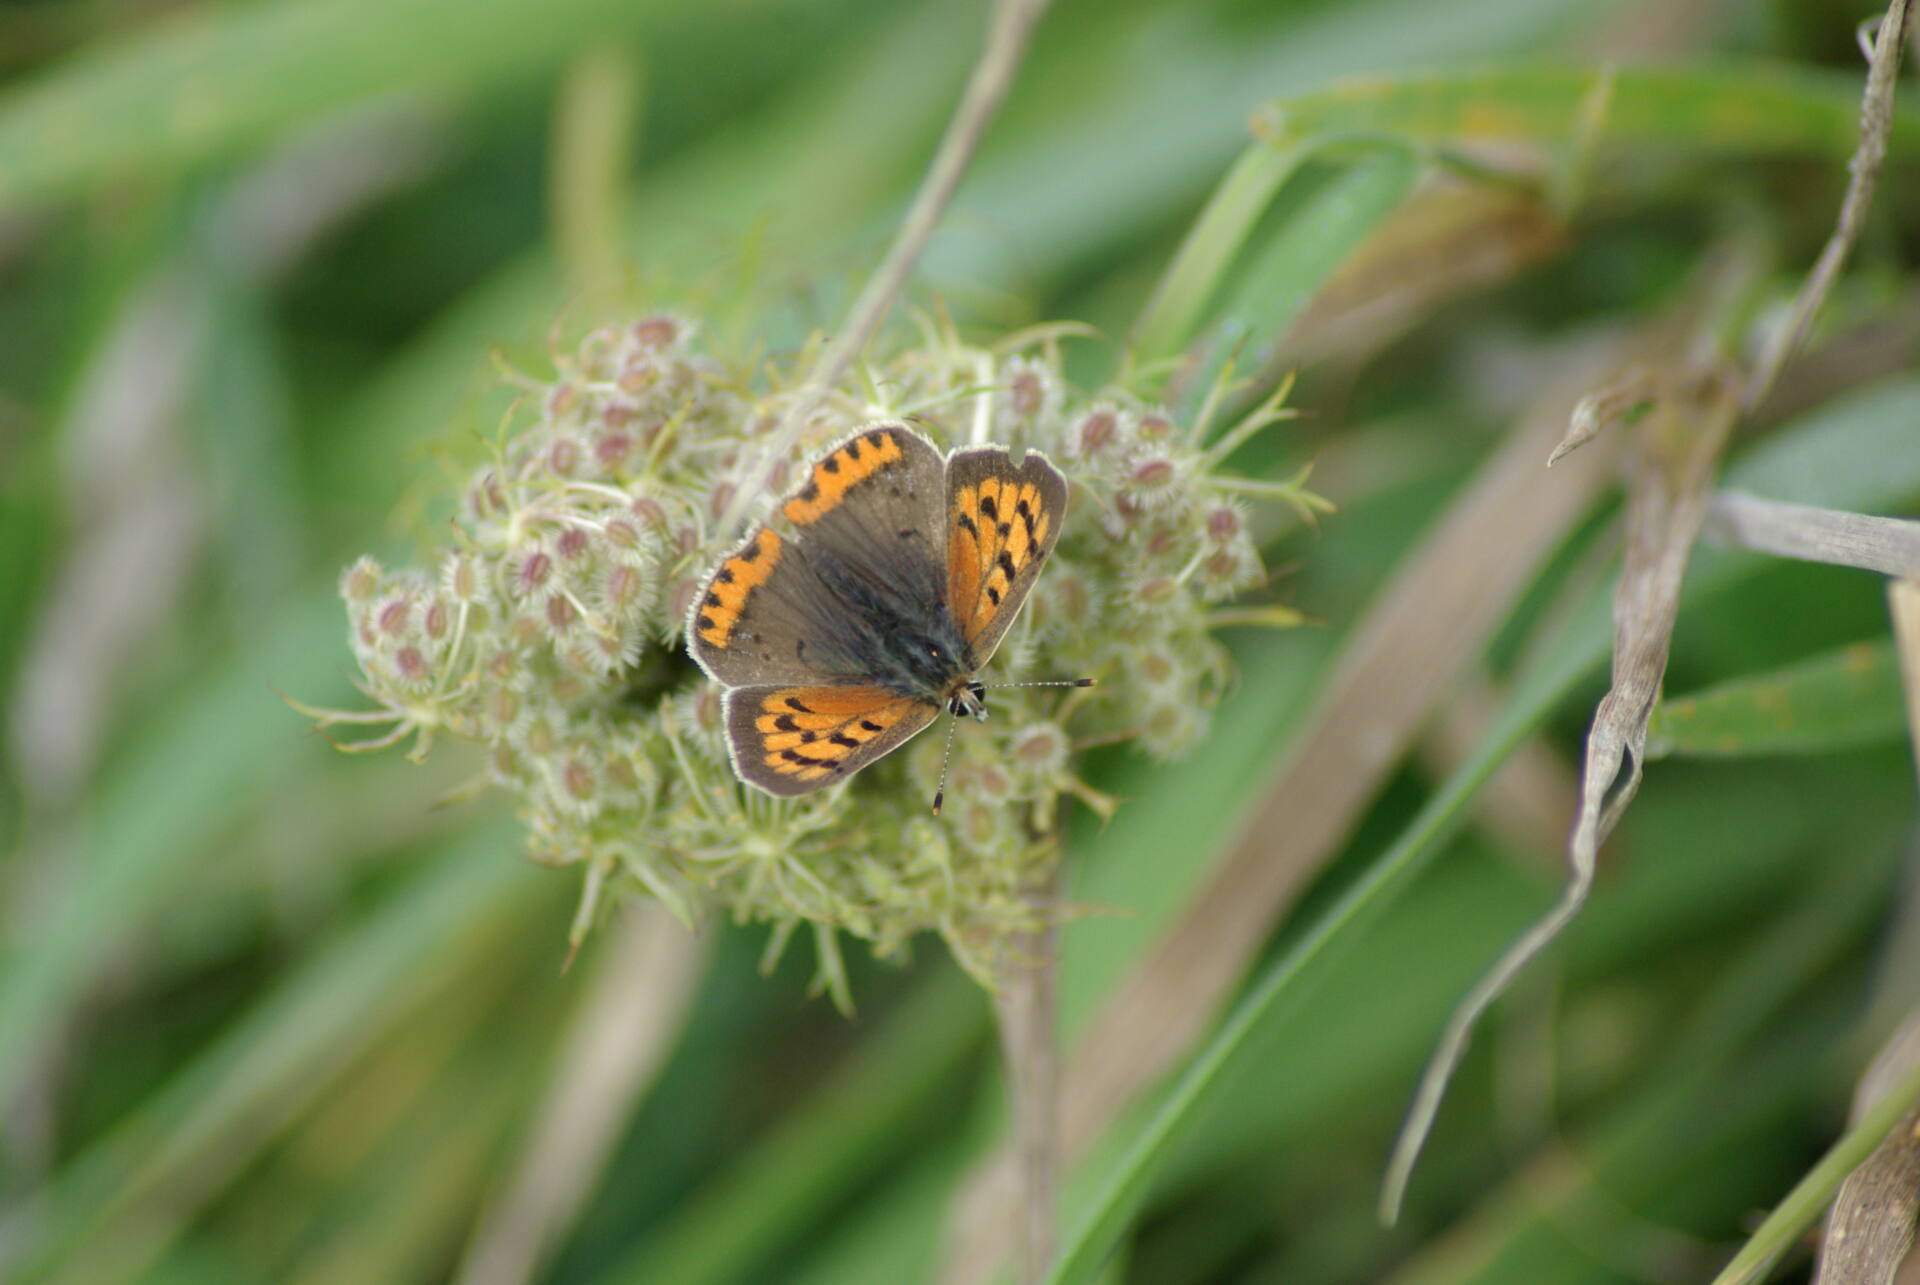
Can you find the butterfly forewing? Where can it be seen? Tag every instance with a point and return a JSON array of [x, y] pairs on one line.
[[871, 507], [1002, 523], [765, 616], [793, 739]]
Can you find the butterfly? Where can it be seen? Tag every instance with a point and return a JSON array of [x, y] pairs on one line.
[[903, 573]]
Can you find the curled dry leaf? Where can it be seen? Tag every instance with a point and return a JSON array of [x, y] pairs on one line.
[[1670, 468]]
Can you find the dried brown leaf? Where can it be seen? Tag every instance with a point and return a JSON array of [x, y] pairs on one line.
[[1670, 468], [1887, 545], [1870, 1227]]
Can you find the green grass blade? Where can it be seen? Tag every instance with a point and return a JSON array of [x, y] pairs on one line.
[[206, 756], [1111, 1212], [734, 1225], [1284, 273], [184, 93], [267, 1063], [1840, 700], [1737, 108], [1216, 237], [1790, 1219]]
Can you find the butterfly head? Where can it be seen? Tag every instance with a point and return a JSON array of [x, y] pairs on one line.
[[969, 700]]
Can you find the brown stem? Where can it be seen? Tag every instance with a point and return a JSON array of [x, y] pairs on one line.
[[1027, 1010], [1000, 58]]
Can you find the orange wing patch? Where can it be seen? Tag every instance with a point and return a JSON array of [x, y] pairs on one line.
[[994, 531], [839, 473], [727, 592], [808, 732]]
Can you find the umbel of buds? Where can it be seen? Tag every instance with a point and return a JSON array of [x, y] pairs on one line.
[[548, 632]]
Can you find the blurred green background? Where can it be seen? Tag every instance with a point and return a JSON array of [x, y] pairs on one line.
[[271, 1013]]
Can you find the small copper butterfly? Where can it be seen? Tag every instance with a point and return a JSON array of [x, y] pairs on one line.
[[906, 568]]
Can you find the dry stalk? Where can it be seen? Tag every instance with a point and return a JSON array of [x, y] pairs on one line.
[[1027, 1013], [1006, 45], [1890, 546], [627, 1022], [1876, 124]]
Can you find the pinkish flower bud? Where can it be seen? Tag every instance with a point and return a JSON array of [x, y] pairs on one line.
[[720, 497], [1096, 431], [623, 586], [1224, 522], [560, 613], [460, 577], [622, 535], [655, 332], [361, 581], [1154, 668], [563, 457], [1156, 591], [439, 620], [610, 450], [395, 615], [1154, 427], [534, 570], [1041, 748], [561, 398], [1151, 472], [411, 665], [1026, 392], [579, 781], [572, 543], [648, 510]]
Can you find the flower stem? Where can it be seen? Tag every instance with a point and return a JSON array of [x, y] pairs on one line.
[[1027, 1011]]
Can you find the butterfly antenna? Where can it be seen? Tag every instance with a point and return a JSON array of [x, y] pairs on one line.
[[1052, 682], [940, 795], [946, 755]]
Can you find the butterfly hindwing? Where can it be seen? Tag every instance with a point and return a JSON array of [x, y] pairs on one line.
[[1002, 523], [794, 739]]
